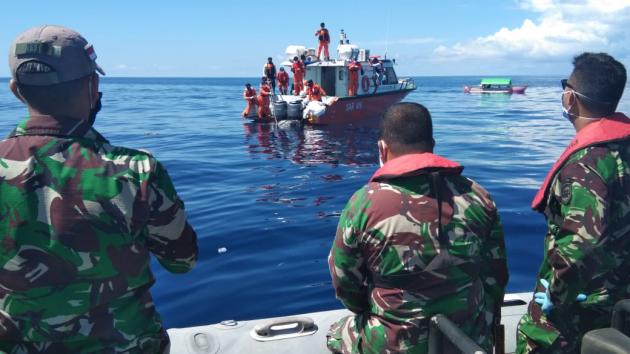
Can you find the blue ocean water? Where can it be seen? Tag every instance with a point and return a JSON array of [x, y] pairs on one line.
[[265, 202]]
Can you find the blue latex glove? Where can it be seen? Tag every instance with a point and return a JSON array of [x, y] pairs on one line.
[[544, 300]]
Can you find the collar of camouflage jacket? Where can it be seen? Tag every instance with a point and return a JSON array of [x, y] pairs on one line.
[[415, 164], [56, 126], [607, 129]]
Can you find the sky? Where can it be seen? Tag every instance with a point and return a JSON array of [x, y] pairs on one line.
[[195, 38]]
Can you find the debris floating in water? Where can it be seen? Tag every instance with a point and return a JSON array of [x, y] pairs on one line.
[[332, 177], [222, 250]]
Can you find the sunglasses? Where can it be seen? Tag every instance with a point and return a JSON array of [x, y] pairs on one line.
[[565, 84]]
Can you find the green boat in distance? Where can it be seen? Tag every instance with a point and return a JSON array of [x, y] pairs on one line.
[[495, 85]]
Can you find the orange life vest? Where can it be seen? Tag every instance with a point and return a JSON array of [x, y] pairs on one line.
[[251, 92], [608, 129], [298, 68], [283, 77], [415, 164], [315, 93], [354, 70], [323, 35]]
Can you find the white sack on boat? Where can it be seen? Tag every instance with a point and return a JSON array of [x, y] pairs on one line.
[[314, 108]]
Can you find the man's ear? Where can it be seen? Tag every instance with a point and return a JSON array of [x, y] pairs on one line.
[[16, 90], [94, 87], [572, 99], [383, 150]]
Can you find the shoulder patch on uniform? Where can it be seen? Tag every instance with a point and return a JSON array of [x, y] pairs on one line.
[[565, 192]]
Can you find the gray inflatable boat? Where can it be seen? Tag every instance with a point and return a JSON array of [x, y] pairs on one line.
[[304, 333]]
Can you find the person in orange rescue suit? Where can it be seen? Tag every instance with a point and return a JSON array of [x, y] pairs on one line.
[[249, 95], [314, 91], [283, 81], [353, 77], [270, 73], [263, 99], [298, 75], [324, 39], [304, 88]]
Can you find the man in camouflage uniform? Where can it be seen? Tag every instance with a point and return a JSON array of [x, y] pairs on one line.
[[586, 201], [418, 240], [78, 216]]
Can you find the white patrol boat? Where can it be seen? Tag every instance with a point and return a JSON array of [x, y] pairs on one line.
[[378, 88]]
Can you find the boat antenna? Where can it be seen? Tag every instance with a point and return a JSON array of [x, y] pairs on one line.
[[389, 12]]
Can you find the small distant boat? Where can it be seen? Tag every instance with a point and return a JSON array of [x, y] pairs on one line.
[[495, 85]]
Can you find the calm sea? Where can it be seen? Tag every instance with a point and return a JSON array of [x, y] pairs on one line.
[[265, 202]]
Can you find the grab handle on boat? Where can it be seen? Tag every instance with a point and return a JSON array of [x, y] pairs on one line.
[[441, 329], [283, 328]]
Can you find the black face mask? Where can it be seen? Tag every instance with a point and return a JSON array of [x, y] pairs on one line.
[[97, 108]]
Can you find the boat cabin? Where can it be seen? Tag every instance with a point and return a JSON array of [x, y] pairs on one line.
[[376, 76], [496, 84]]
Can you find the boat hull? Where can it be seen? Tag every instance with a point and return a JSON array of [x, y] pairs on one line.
[[358, 110], [514, 89], [361, 110]]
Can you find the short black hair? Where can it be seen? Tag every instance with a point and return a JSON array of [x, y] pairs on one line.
[[322, 25], [407, 127], [247, 84], [602, 79], [270, 59]]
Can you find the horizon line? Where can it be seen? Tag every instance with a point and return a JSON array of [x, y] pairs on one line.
[[250, 77]]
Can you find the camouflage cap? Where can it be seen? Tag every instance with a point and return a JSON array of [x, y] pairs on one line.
[[68, 54]]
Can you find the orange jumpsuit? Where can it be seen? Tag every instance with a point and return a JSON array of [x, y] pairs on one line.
[[324, 39], [263, 101], [250, 97], [353, 78], [315, 93], [298, 76], [283, 81]]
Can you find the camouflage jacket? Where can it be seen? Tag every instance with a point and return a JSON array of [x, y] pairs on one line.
[[587, 245], [395, 266], [78, 220]]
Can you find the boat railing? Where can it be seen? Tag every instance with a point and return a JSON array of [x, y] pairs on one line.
[[441, 329]]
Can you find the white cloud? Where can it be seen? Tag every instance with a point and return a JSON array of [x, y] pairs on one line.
[[562, 28]]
